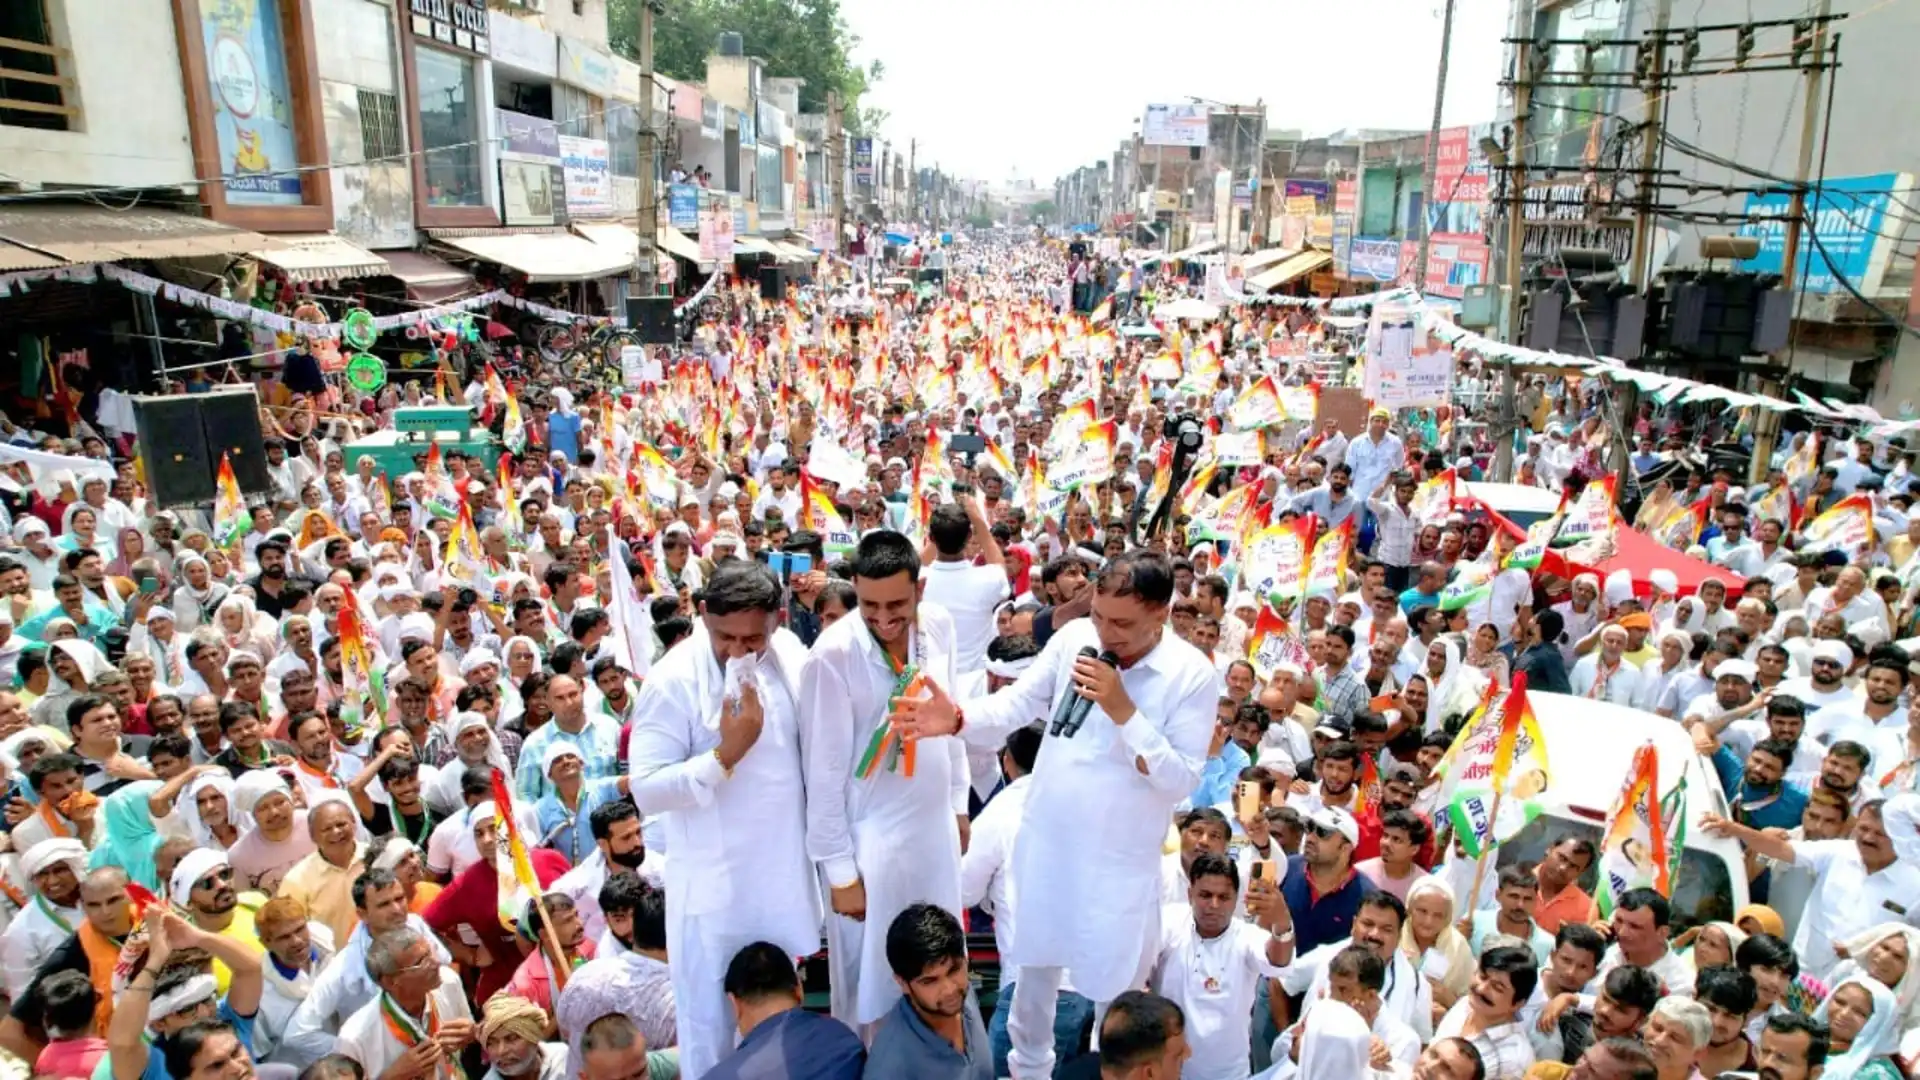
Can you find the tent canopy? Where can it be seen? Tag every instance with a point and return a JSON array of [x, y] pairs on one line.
[[1640, 555]]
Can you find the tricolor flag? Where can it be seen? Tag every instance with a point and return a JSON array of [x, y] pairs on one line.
[[1633, 854], [1846, 526], [363, 690], [1804, 462], [1433, 499], [1591, 515], [231, 519], [1259, 407], [1499, 759], [1681, 528], [518, 884], [1326, 569]]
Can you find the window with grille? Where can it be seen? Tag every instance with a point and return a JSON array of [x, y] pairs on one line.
[[380, 126], [33, 91], [578, 113]]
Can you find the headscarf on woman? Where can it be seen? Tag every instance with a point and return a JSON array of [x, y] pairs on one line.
[[1658, 507], [121, 565], [194, 607], [1455, 691], [1334, 1043], [1868, 1055], [51, 709], [130, 840], [250, 637], [1451, 947], [1906, 991]]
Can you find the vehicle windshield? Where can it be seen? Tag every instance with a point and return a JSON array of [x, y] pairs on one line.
[[1702, 889]]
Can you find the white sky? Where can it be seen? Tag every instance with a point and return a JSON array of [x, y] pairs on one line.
[[1046, 86]]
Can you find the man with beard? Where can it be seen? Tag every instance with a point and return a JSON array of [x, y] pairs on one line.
[[202, 885], [512, 1032], [54, 866], [618, 845], [1867, 720], [1732, 699], [535, 979], [720, 759], [1337, 764], [272, 579], [1827, 684], [1786, 722], [1861, 882], [1843, 772], [1331, 502], [634, 982], [1758, 793], [865, 793], [342, 986], [934, 1030], [1560, 899]]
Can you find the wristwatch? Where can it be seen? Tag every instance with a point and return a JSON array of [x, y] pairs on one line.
[[1284, 937]]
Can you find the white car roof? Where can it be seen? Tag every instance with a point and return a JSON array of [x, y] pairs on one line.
[[1509, 498]]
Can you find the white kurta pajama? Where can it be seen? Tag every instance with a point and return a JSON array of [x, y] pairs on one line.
[[1086, 861], [751, 880], [897, 835]]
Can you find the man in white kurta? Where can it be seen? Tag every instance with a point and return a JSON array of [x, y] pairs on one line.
[[1086, 862], [55, 867], [729, 791], [885, 841]]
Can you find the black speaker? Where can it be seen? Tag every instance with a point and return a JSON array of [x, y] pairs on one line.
[[173, 448], [773, 283], [1687, 308], [651, 317], [1543, 319], [231, 421], [1773, 321], [1629, 327]]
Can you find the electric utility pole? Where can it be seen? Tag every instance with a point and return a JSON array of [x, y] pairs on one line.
[[837, 173], [1516, 174], [646, 261], [1434, 199]]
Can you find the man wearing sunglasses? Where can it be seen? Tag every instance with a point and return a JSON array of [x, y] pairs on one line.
[[202, 883], [1321, 888]]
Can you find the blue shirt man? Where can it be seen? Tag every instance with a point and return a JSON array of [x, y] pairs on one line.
[[779, 1040], [1219, 774], [563, 434], [1758, 795]]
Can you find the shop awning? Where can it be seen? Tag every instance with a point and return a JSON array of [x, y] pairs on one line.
[[1195, 251], [427, 279], [612, 235], [790, 252], [1266, 257], [15, 257], [90, 234], [678, 243], [321, 257], [546, 256], [1304, 263], [751, 245]]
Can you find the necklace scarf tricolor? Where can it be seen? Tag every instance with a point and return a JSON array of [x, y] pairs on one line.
[[408, 1033], [884, 745]]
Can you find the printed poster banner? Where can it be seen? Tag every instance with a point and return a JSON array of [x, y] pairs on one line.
[[1175, 125], [683, 206], [1346, 203], [246, 49], [1456, 218], [1849, 216], [589, 176], [716, 235], [1375, 260]]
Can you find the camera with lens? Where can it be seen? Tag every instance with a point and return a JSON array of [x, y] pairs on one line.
[[1187, 432], [465, 599]]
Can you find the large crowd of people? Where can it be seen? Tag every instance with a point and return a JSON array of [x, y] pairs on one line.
[[575, 763]]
